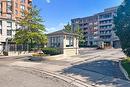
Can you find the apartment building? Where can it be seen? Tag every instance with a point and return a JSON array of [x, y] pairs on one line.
[[99, 28], [10, 11], [106, 33], [89, 26]]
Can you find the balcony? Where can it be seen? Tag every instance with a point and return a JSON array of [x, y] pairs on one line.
[[9, 11], [105, 34], [107, 39], [103, 29], [104, 24], [102, 19]]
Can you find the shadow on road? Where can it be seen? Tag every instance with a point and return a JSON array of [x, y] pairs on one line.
[[100, 72]]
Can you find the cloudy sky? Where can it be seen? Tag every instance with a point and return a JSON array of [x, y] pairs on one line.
[[57, 13]]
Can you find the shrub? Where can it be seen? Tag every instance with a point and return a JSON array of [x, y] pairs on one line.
[[5, 53], [127, 51], [126, 64], [51, 51]]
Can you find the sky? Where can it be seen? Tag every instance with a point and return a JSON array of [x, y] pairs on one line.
[[57, 13]]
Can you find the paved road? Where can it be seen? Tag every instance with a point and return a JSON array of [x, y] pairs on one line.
[[99, 67], [104, 67], [107, 63], [12, 77]]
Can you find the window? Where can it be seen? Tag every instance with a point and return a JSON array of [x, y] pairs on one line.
[[22, 14], [9, 16], [55, 41], [16, 12], [0, 31], [9, 7], [0, 24], [0, 8], [23, 1], [108, 15], [9, 24], [16, 5], [0, 27], [69, 41], [9, 32], [22, 7]]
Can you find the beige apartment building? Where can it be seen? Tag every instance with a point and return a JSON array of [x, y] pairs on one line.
[[10, 12], [106, 32], [89, 25], [98, 29]]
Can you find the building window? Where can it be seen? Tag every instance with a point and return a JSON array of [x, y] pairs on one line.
[[55, 41], [109, 15], [0, 13], [69, 41], [0, 27], [23, 1], [0, 24], [9, 7], [0, 31], [22, 14], [22, 7], [9, 24], [9, 32], [9, 16], [16, 12], [0, 8], [16, 5]]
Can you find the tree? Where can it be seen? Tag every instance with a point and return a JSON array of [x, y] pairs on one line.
[[31, 29], [78, 31], [122, 26], [68, 28]]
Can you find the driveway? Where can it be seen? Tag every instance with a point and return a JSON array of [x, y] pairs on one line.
[[98, 68], [107, 63], [104, 67]]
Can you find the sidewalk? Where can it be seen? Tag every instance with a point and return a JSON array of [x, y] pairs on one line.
[[19, 56]]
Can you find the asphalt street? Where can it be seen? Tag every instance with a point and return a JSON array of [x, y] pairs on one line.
[[98, 67], [12, 77]]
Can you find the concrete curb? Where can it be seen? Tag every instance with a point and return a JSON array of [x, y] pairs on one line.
[[70, 80], [20, 56], [124, 71]]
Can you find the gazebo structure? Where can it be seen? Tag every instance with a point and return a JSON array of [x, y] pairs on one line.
[[66, 42]]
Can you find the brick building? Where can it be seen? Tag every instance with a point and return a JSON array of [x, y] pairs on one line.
[[10, 11]]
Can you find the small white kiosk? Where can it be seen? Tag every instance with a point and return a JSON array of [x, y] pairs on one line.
[[67, 42]]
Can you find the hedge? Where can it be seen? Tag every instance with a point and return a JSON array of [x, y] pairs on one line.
[[51, 51]]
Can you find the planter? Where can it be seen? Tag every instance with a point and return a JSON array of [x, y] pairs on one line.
[[36, 59], [5, 53]]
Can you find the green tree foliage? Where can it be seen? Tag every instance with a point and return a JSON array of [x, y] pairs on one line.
[[122, 26], [31, 29], [78, 31], [68, 28]]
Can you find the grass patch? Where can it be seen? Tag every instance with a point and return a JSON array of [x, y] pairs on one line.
[[126, 64]]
